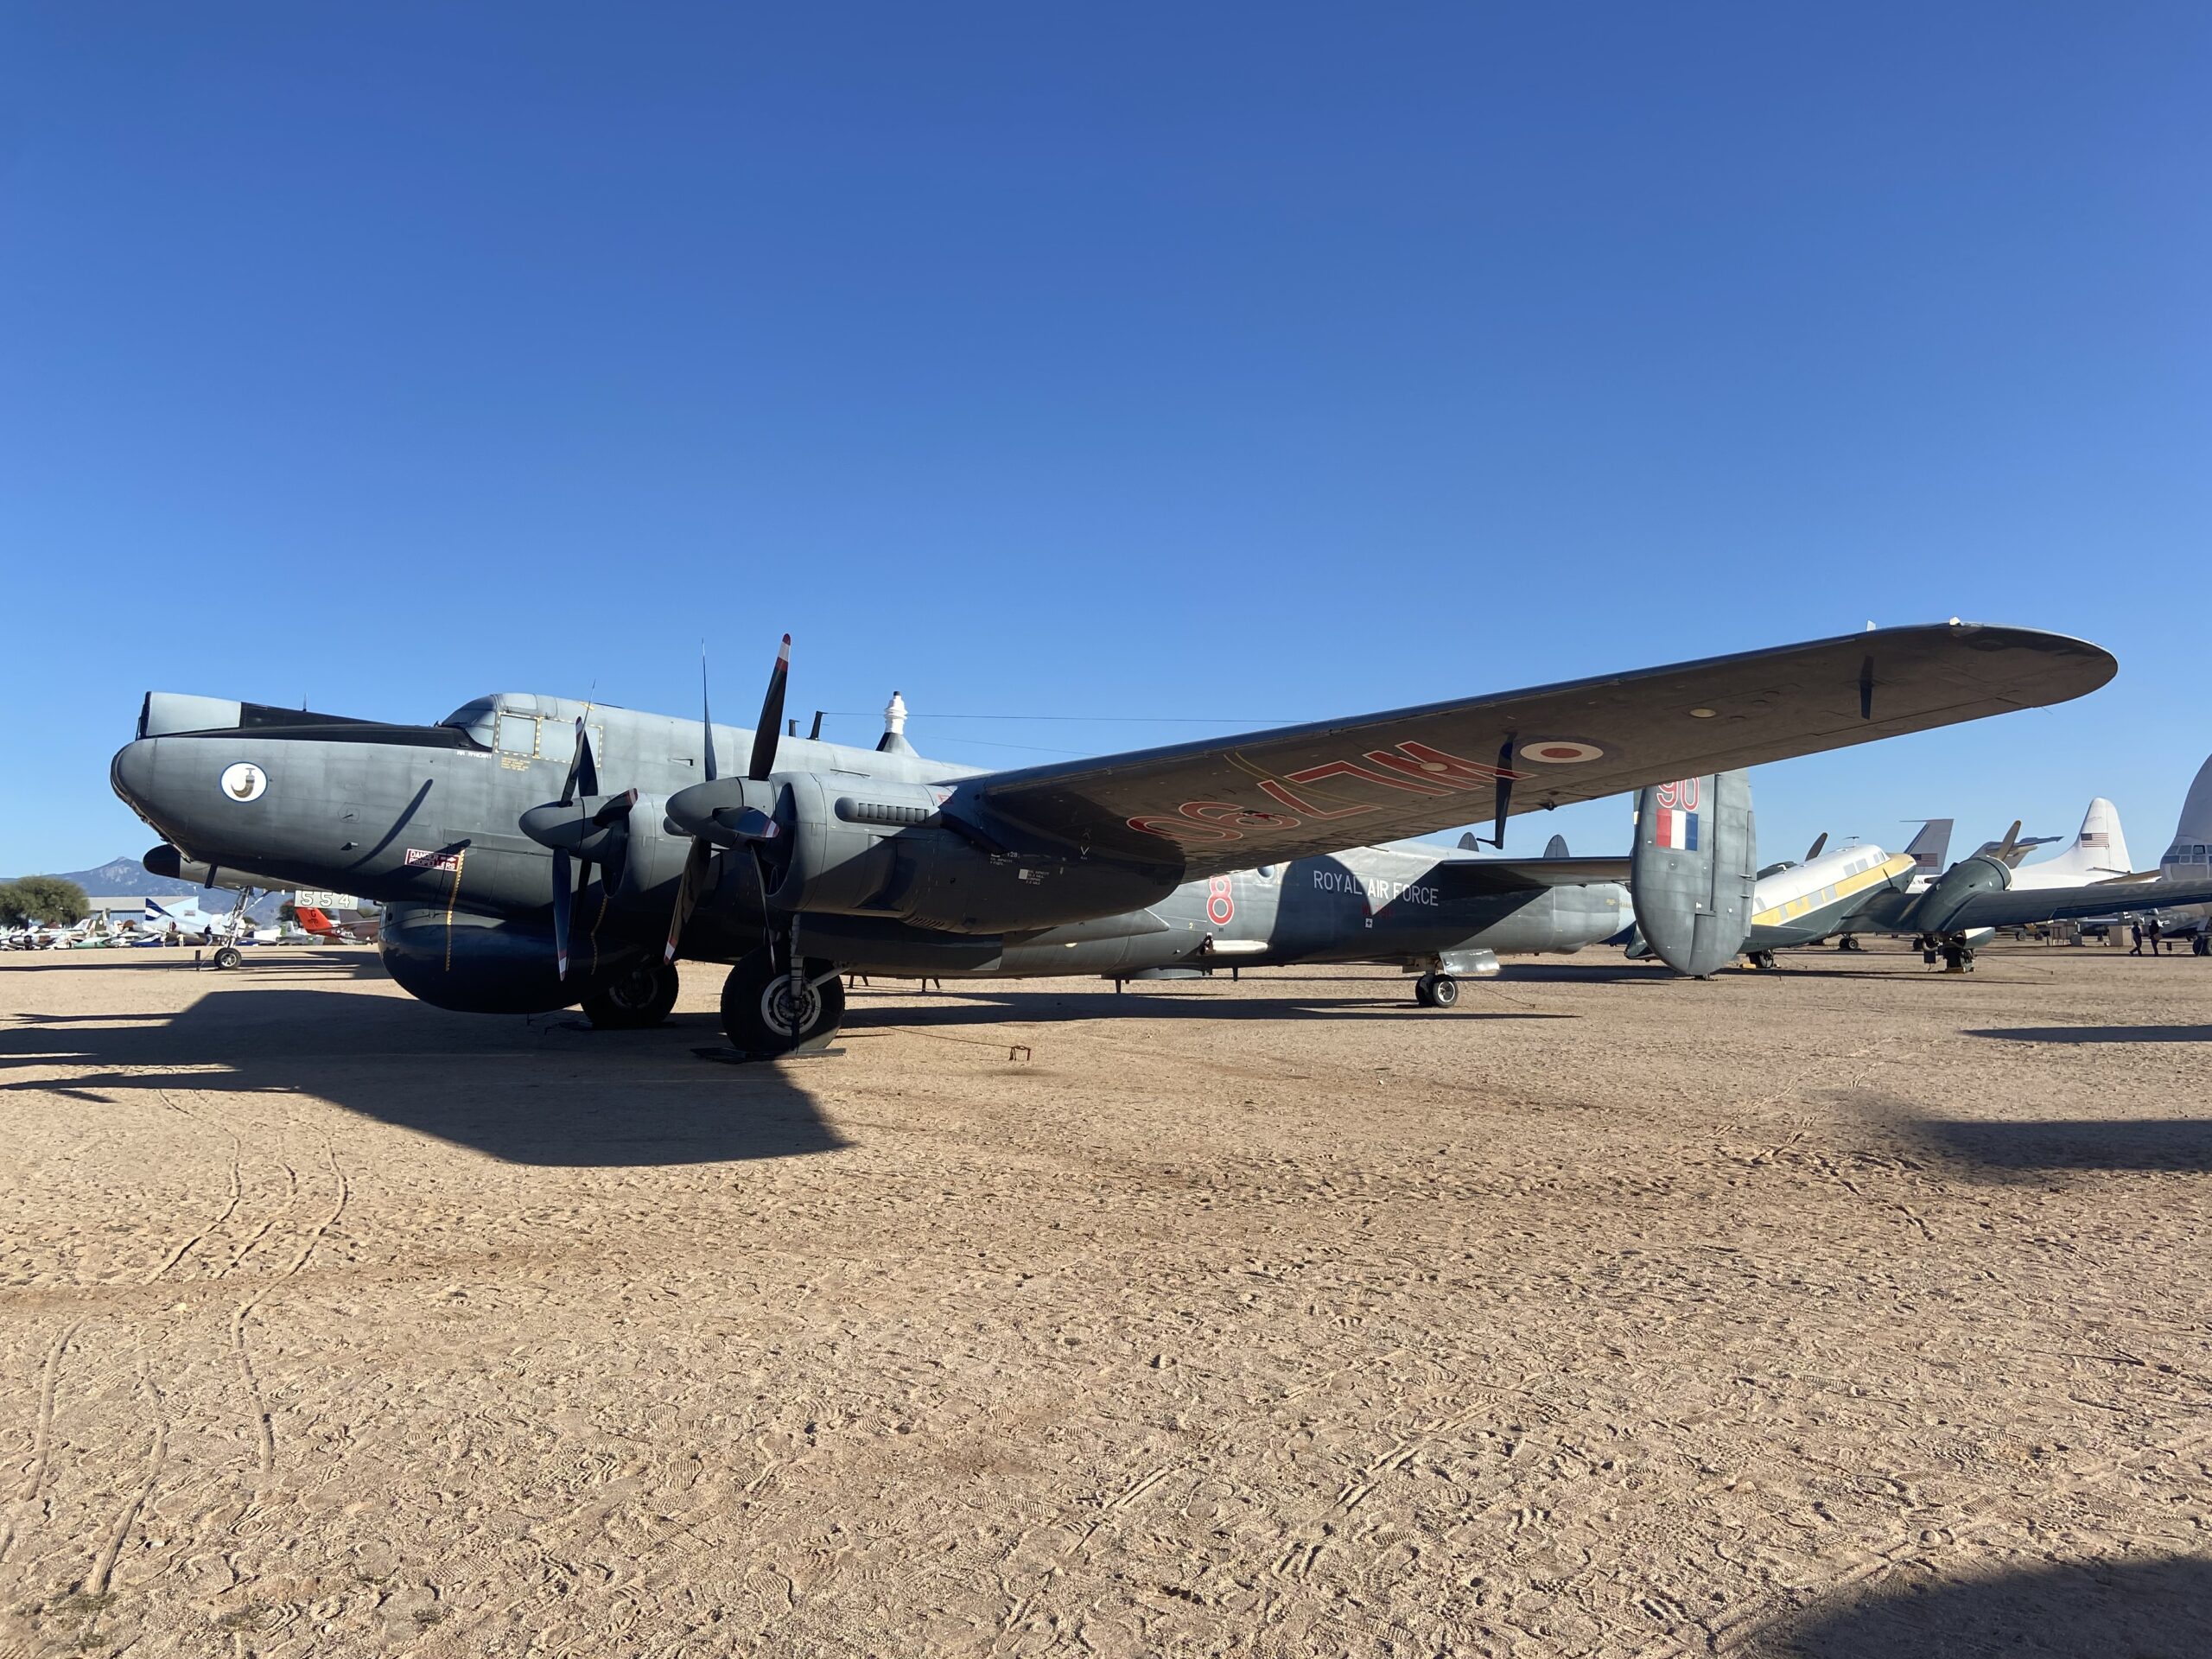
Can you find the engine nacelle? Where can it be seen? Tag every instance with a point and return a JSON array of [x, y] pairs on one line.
[[653, 851], [872, 847], [477, 964], [848, 842], [1942, 903]]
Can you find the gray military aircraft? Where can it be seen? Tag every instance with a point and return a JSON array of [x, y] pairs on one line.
[[533, 852]]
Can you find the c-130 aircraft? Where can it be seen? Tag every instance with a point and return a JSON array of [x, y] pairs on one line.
[[533, 853]]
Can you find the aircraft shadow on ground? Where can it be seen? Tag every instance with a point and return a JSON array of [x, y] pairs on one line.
[[2178, 1144], [544, 1092], [967, 1004], [2159, 1608], [2097, 1034], [259, 960]]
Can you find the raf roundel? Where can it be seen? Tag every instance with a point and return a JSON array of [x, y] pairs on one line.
[[245, 781], [1561, 751]]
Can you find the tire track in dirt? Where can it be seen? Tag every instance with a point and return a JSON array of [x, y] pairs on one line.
[[42, 1439], [230, 1208], [103, 1569], [241, 1351]]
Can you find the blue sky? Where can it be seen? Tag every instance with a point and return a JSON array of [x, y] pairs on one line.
[[1141, 362]]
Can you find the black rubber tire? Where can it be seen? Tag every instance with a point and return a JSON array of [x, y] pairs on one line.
[[637, 1000], [1422, 987], [1444, 992], [229, 957], [756, 1017]]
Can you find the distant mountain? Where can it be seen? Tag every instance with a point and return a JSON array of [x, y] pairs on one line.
[[127, 875], [126, 878]]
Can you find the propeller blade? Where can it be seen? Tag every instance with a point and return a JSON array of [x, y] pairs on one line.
[[1813, 851], [562, 900], [618, 806], [583, 773], [772, 716], [686, 895], [707, 717]]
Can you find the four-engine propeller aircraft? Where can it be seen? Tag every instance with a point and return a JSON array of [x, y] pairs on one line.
[[533, 852]]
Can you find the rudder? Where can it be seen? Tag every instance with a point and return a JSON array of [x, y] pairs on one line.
[[1694, 870]]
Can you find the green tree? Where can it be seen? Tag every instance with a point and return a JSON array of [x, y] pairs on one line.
[[287, 912], [44, 899]]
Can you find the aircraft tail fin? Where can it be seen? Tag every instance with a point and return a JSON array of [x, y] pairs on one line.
[[2193, 833], [1556, 847], [1928, 849], [313, 919], [1695, 868], [2099, 850]]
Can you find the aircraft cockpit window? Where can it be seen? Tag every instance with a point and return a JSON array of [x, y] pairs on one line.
[[517, 732]]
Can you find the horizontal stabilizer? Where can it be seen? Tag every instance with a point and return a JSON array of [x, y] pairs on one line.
[[1462, 876]]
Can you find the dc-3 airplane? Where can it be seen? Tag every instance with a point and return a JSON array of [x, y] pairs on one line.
[[1864, 890], [534, 852]]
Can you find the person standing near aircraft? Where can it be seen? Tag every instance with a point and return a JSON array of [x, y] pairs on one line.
[[2135, 932]]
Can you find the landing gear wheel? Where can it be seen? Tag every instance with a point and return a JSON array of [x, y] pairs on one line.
[[1443, 991], [228, 956], [761, 1015], [1425, 991], [1763, 961], [638, 999]]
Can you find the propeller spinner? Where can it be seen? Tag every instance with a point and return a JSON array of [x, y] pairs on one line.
[[582, 829]]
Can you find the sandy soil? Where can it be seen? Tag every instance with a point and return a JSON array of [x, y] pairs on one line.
[[1847, 1311]]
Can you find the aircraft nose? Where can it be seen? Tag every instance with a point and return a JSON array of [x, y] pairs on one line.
[[131, 772]]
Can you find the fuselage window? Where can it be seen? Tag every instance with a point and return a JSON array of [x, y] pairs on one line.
[[517, 733], [556, 741]]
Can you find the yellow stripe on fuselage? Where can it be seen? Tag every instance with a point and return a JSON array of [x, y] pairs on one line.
[[1792, 910]]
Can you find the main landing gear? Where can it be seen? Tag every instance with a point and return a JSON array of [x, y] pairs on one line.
[[1761, 960], [1957, 955], [641, 998], [1436, 991], [768, 1010]]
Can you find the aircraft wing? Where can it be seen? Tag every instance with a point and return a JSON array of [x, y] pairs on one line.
[[2020, 906], [1226, 804]]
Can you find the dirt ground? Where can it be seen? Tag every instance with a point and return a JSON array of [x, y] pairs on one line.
[[1849, 1311]]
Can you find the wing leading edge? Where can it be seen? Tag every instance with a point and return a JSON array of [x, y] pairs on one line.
[[1227, 803]]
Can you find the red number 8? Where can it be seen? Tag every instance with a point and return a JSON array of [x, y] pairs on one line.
[[1221, 901]]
